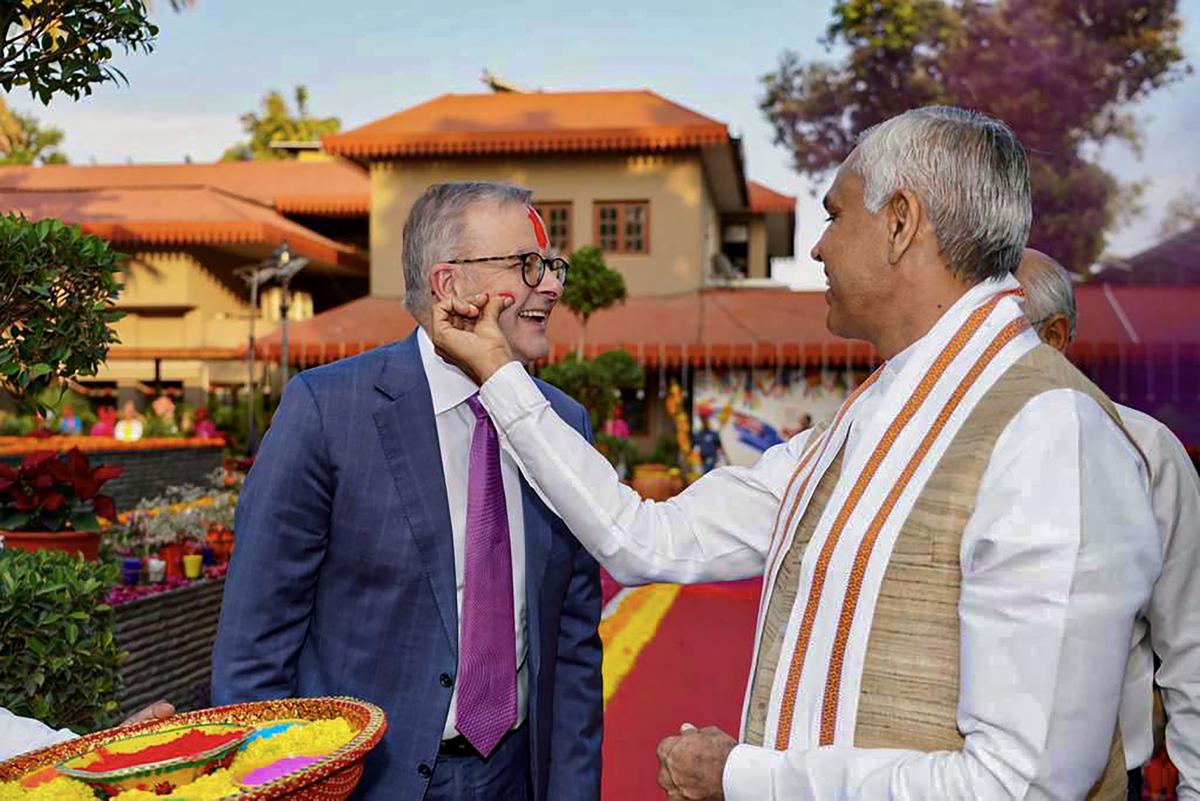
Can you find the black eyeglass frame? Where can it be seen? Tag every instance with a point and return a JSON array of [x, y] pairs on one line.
[[558, 265]]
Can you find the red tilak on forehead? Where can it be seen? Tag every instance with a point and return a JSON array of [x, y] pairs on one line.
[[539, 230]]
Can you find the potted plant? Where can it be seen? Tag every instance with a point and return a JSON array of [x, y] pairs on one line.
[[53, 502]]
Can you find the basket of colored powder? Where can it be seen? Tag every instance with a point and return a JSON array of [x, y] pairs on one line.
[[310, 748]]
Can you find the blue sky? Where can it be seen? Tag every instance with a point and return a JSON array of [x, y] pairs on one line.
[[364, 59]]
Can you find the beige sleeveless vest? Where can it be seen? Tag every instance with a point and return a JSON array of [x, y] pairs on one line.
[[909, 693]]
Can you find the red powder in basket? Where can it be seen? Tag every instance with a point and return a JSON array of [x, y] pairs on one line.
[[194, 742]]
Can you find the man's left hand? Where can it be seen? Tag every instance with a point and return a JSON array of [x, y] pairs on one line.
[[692, 764], [156, 711]]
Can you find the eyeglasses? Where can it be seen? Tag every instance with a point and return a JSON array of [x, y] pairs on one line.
[[533, 266]]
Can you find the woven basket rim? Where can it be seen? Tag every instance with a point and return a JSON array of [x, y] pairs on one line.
[[329, 765]]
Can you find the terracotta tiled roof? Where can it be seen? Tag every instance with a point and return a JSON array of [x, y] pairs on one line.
[[767, 200], [762, 326], [347, 205], [711, 326], [178, 216], [536, 122], [301, 187]]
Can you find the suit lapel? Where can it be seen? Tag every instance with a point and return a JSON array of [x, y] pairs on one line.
[[537, 552], [409, 437]]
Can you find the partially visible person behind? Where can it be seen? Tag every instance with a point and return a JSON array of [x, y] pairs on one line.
[[205, 427], [106, 421], [129, 428], [708, 442], [68, 423], [1170, 623], [20, 735]]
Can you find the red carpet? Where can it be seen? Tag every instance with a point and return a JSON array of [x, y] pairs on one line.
[[694, 670]]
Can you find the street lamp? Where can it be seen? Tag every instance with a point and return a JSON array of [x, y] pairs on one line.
[[287, 266], [283, 266], [255, 276]]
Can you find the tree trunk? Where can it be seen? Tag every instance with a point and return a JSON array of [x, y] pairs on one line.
[[582, 336]]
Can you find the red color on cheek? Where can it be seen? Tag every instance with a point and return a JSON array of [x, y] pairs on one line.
[[508, 295], [539, 230]]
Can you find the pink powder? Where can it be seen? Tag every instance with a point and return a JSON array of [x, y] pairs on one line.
[[277, 769]]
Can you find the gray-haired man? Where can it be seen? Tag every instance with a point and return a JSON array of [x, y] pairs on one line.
[[387, 549], [952, 565], [1170, 622]]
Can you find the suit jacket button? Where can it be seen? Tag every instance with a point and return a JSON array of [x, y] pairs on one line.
[[446, 679], [424, 770]]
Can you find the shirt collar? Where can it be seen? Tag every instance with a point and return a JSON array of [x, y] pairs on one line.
[[448, 385]]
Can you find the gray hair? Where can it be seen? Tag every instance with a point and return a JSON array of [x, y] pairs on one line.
[[1048, 291], [436, 229], [971, 174]]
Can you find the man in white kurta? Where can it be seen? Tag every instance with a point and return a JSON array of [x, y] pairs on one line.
[[1057, 554], [1169, 626], [20, 735]]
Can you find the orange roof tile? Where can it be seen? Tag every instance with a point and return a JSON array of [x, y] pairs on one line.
[[717, 327], [536, 122], [303, 187], [767, 200], [742, 326], [177, 216]]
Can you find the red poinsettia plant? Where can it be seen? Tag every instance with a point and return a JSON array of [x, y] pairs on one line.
[[52, 492]]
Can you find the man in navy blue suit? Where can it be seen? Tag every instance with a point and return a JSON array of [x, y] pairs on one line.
[[388, 548]]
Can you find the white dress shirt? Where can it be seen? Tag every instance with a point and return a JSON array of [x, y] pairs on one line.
[[19, 735], [450, 388], [1057, 557], [1170, 626]]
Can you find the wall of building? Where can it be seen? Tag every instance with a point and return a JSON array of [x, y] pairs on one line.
[[173, 300], [683, 232], [758, 247]]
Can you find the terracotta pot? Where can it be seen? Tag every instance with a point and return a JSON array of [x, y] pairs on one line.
[[654, 482], [84, 542]]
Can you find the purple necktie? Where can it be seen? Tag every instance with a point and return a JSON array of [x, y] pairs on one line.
[[487, 659]]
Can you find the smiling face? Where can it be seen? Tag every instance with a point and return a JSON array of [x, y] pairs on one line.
[[853, 248], [497, 230]]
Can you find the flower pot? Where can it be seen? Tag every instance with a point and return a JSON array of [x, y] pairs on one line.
[[208, 555], [192, 563], [221, 541], [173, 555], [83, 542], [655, 482], [131, 570], [156, 570]]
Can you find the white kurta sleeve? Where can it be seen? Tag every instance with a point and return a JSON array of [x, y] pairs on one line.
[[19, 735], [1057, 559], [718, 529], [1174, 610]]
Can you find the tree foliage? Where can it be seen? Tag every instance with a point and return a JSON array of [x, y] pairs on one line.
[[24, 141], [278, 123], [65, 46], [591, 286], [1181, 214], [57, 290], [59, 661], [1062, 73], [596, 383]]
